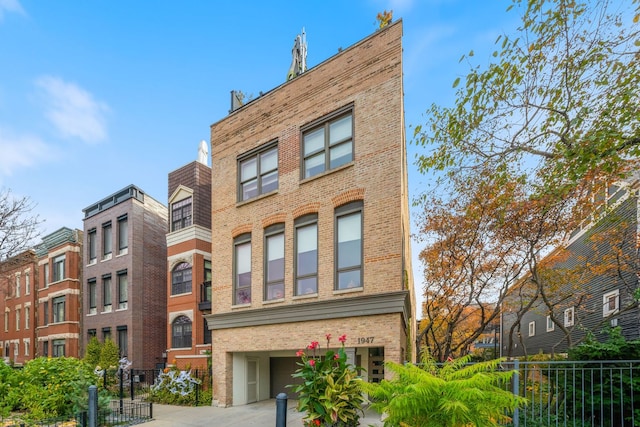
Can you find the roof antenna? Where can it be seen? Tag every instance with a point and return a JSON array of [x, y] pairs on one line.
[[299, 56]]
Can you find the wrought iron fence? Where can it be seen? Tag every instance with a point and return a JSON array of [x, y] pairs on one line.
[[577, 393], [119, 413]]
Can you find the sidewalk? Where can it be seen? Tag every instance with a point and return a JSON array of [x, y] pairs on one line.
[[255, 414]]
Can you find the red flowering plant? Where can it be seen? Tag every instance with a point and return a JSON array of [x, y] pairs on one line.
[[330, 389]]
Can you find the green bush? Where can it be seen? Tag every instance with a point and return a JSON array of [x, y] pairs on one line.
[[7, 383], [455, 394], [92, 355], [175, 387], [52, 387], [109, 355]]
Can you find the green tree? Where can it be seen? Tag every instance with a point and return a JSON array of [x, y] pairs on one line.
[[92, 355], [109, 356], [560, 101]]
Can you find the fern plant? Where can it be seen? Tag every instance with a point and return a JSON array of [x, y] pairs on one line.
[[456, 394]]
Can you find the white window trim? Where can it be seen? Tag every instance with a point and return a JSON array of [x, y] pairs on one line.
[[532, 328], [550, 325], [605, 303], [568, 323]]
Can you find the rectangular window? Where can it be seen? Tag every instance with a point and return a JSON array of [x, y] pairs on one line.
[[6, 321], [17, 289], [45, 313], [45, 348], [207, 333], [610, 303], [107, 247], [258, 172], [17, 319], [550, 325], [348, 253], [93, 297], [58, 348], [92, 245], [27, 317], [181, 214], [532, 328], [58, 268], [274, 262], [58, 309], [242, 269], [306, 260], [181, 278], [123, 235], [122, 340], [106, 334], [328, 145], [123, 291], [26, 348], [207, 270], [106, 293], [27, 284], [568, 317], [46, 274]]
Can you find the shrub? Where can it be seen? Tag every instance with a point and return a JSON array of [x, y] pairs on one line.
[[94, 349], [176, 387], [7, 383], [330, 392], [53, 387], [109, 355], [455, 394]]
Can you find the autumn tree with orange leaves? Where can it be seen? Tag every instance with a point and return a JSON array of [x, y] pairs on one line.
[[521, 157]]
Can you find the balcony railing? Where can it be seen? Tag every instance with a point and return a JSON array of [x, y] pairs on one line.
[[205, 296]]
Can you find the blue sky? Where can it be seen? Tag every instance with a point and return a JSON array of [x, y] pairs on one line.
[[97, 95]]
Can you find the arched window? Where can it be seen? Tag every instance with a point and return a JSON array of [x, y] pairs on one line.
[[181, 279], [181, 332]]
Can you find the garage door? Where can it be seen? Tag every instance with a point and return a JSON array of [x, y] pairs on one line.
[[281, 369]]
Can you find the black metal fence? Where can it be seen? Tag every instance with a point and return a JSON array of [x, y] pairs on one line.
[[577, 393], [119, 413]]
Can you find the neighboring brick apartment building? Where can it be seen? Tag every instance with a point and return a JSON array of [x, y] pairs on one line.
[[41, 299], [189, 265], [604, 251], [18, 304], [58, 290], [310, 223], [124, 295]]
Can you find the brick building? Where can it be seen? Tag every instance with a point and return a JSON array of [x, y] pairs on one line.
[[58, 292], [189, 265], [124, 291], [310, 223], [41, 299], [17, 305]]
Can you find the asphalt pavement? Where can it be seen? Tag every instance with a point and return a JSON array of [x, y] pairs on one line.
[[261, 413]]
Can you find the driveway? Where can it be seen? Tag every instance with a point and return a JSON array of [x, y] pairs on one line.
[[255, 414]]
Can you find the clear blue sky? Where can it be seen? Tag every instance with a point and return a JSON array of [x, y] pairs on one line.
[[96, 95]]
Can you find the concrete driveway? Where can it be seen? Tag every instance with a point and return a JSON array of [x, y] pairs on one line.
[[255, 414]]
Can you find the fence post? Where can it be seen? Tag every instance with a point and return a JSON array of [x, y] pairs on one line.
[[93, 406], [131, 378], [121, 372], [281, 410], [516, 391]]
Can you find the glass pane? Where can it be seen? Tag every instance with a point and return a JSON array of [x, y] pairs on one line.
[[349, 241], [243, 296], [275, 291], [275, 258], [307, 246], [340, 130], [313, 141], [314, 165], [250, 189], [243, 258], [349, 279], [248, 169], [307, 286], [269, 182], [269, 160], [340, 155]]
